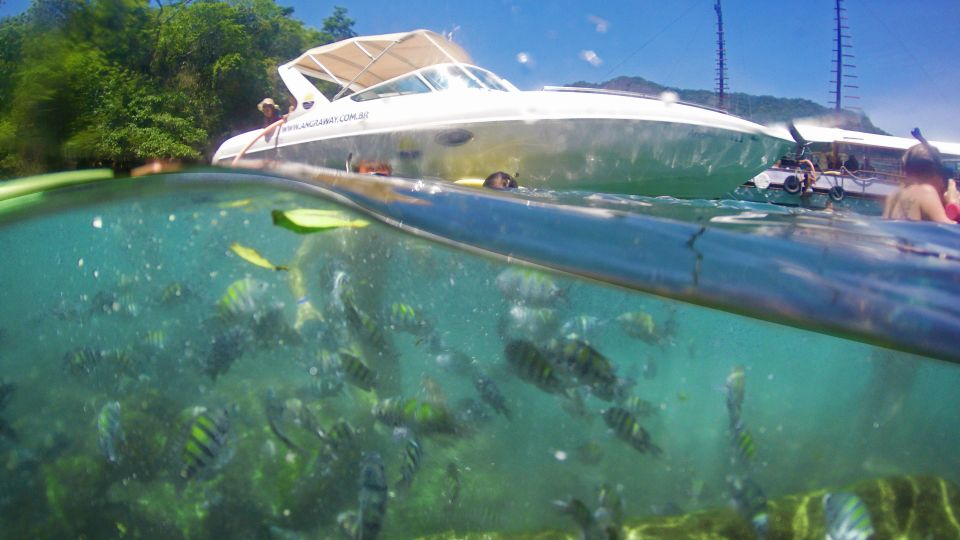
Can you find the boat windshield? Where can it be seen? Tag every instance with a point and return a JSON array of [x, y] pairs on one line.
[[411, 84], [449, 77], [443, 77]]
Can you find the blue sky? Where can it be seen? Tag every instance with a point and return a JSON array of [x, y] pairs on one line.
[[907, 53]]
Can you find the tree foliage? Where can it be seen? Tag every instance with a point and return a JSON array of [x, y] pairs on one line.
[[117, 82]]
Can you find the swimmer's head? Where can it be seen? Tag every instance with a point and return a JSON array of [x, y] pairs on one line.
[[500, 180], [922, 161], [379, 168]]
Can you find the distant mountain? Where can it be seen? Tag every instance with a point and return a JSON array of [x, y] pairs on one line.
[[760, 109]]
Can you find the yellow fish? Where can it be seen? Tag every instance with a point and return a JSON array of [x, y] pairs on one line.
[[253, 257]]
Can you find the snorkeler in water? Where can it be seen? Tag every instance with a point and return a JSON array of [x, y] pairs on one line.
[[500, 180], [919, 196]]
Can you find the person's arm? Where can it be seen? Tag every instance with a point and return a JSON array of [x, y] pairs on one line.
[[813, 171], [888, 205], [931, 207], [951, 200]]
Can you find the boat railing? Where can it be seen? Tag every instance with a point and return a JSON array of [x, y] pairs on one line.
[[263, 133], [865, 179], [584, 90]]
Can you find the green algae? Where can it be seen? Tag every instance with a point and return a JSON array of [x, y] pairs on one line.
[[900, 507]]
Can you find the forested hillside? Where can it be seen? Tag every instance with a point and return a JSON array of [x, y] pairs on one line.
[[116, 82], [760, 109]]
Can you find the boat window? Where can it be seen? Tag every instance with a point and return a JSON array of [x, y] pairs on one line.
[[488, 79], [400, 87], [449, 78]]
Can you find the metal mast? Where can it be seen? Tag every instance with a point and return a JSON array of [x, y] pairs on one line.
[[721, 61], [840, 60]]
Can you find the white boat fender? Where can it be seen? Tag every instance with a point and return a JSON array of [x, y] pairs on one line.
[[761, 181]]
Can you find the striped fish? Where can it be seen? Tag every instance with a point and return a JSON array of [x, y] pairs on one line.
[[406, 319], [422, 417], [587, 364], [83, 361], [626, 427], [110, 431], [412, 456], [639, 406], [491, 395], [156, 339], [372, 507], [743, 444], [735, 389], [530, 287], [639, 325], [341, 435], [530, 365], [356, 372], [847, 517], [207, 443], [242, 297]]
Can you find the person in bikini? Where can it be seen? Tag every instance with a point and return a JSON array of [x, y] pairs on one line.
[[919, 197]]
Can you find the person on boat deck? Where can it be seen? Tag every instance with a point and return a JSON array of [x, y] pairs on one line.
[[851, 164], [271, 113], [500, 180], [919, 198], [809, 176], [833, 162]]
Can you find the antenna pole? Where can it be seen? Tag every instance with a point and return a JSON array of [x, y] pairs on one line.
[[721, 60], [842, 56]]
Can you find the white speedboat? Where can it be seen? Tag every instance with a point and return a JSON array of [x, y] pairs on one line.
[[415, 101], [849, 164]]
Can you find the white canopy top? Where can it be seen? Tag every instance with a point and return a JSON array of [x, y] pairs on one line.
[[348, 62], [829, 135]]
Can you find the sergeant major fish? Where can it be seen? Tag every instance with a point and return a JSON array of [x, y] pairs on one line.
[[242, 298], [451, 485], [847, 517], [527, 286], [207, 447], [412, 456], [273, 409], [639, 406], [528, 362], [406, 319], [640, 325], [587, 364], [356, 372], [582, 326], [735, 387], [490, 394], [110, 431], [626, 427], [372, 507], [536, 323]]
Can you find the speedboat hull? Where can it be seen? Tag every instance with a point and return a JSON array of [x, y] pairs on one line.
[[549, 140]]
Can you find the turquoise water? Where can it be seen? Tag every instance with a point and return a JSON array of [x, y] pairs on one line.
[[100, 273]]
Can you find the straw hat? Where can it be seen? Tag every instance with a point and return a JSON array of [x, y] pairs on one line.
[[266, 102]]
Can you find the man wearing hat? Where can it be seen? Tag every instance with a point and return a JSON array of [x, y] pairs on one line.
[[271, 113]]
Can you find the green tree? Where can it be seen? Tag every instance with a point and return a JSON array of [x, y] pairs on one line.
[[116, 82]]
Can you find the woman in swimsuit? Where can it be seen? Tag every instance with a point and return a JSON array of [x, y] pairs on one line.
[[918, 198]]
